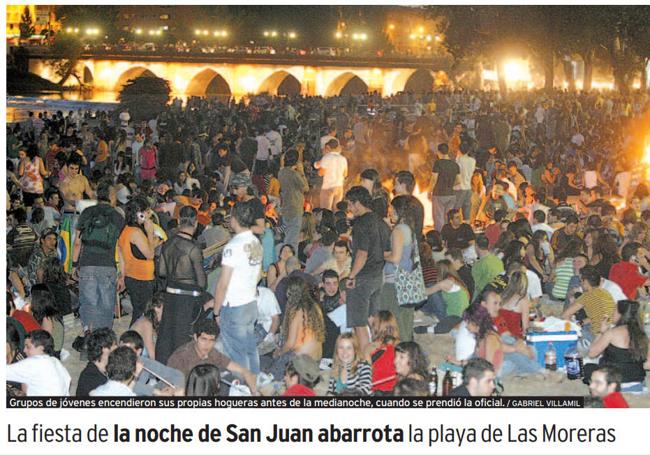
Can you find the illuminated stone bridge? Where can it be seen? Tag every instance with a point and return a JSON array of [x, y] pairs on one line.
[[237, 75]]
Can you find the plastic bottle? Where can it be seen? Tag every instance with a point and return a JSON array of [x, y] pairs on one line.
[[550, 357], [447, 384], [573, 364], [433, 384]]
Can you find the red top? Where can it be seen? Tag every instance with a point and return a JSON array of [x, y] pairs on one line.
[[509, 321], [626, 275], [383, 368], [299, 390], [26, 320], [497, 360], [615, 400], [492, 233]]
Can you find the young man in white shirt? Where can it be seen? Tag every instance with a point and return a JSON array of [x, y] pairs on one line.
[[40, 372], [539, 223], [275, 142], [333, 167], [236, 290], [467, 165], [123, 370]]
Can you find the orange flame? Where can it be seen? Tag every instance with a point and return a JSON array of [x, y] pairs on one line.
[[423, 197]]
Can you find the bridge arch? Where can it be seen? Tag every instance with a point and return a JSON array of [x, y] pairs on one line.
[[421, 81], [209, 83], [87, 78], [132, 73], [281, 83], [347, 83]]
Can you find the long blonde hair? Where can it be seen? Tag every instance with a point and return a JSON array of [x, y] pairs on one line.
[[337, 365], [517, 287], [299, 299]]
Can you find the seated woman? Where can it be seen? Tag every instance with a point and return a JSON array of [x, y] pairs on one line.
[[349, 370], [539, 255], [47, 313], [411, 362], [303, 328], [508, 359], [147, 325], [513, 314], [448, 299], [278, 270], [380, 353], [624, 346]]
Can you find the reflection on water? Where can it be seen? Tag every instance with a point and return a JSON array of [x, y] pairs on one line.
[[93, 100], [86, 95], [19, 106]]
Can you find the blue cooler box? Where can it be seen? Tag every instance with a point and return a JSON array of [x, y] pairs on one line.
[[562, 342]]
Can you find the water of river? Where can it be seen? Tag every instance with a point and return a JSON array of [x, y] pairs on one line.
[[19, 106]]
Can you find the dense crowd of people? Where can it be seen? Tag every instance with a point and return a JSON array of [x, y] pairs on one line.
[[268, 238]]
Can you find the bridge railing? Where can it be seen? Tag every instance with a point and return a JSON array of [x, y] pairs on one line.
[[438, 60]]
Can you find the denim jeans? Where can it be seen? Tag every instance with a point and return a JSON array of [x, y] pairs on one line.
[[516, 363], [238, 335], [442, 205], [292, 231], [464, 202], [97, 296], [436, 305]]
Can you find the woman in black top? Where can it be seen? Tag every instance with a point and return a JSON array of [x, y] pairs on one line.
[[181, 268], [623, 346]]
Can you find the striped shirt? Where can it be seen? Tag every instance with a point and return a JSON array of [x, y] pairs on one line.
[[597, 303], [360, 380], [563, 274]]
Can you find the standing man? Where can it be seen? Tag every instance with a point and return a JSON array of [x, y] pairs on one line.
[[236, 290], [446, 174], [293, 186], [73, 187], [404, 185], [333, 167], [93, 259], [181, 269], [365, 279], [467, 164], [275, 143]]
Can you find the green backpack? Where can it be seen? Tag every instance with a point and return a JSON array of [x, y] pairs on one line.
[[99, 233]]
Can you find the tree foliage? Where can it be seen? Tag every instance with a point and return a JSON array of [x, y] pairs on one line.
[[103, 17], [144, 97], [546, 33], [68, 50], [26, 25]]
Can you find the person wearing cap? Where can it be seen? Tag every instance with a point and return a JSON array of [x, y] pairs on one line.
[[241, 187], [46, 248], [301, 376]]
